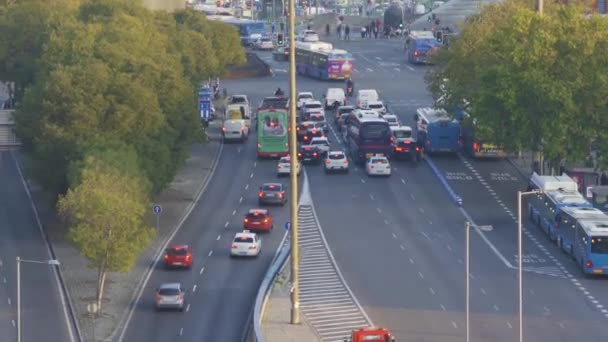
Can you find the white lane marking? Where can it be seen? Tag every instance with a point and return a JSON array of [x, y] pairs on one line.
[[509, 325], [238, 150], [241, 199], [409, 67], [210, 253], [443, 307], [402, 247], [412, 196], [371, 197], [187, 307], [379, 210], [218, 237], [356, 70], [9, 301], [394, 235], [430, 222], [449, 248], [496, 308], [4, 280], [432, 291], [194, 288], [202, 270], [251, 175], [397, 70], [421, 210], [234, 212], [411, 261], [362, 180], [454, 325], [420, 275], [386, 222], [402, 180], [246, 186], [378, 58], [369, 70], [425, 235], [226, 224], [181, 331], [561, 325], [255, 164], [483, 291]]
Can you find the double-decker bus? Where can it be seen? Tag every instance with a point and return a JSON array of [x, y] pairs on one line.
[[320, 60], [477, 141], [421, 47], [366, 136], [272, 128], [583, 233], [557, 193], [437, 130]]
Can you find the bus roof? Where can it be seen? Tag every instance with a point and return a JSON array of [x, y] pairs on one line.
[[595, 226], [315, 46], [584, 213], [570, 198], [422, 35], [431, 115], [552, 183]]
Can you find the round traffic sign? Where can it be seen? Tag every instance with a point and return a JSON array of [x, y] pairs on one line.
[[157, 209]]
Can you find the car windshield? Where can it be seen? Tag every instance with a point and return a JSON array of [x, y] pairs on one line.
[[312, 105], [319, 142], [168, 292], [272, 187], [243, 239], [305, 96], [336, 156], [175, 251]]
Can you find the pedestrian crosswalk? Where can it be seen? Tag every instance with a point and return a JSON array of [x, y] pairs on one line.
[[326, 301], [553, 271]]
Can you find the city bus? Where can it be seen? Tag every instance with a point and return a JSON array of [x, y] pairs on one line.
[[476, 140], [421, 47], [438, 130], [320, 60], [272, 128], [557, 193], [249, 30], [583, 233], [366, 136]]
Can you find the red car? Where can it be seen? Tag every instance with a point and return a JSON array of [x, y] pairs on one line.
[[258, 219], [178, 256]]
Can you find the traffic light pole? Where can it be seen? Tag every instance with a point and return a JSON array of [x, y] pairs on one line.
[[295, 251]]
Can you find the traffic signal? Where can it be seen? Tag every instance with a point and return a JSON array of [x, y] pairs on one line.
[[439, 35], [280, 41]]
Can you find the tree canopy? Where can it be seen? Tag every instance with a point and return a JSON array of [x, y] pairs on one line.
[[537, 82]]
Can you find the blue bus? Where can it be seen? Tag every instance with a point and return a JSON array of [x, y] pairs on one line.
[[320, 60], [366, 136], [438, 130], [557, 192], [421, 47], [583, 234], [249, 30]]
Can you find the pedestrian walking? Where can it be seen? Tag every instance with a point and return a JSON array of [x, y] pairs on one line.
[[376, 32], [347, 32], [339, 31], [604, 179], [363, 32], [369, 31], [327, 30]]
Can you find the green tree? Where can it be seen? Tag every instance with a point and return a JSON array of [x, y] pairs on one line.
[[531, 79], [105, 211]]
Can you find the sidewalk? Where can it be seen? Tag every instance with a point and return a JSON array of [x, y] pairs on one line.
[[277, 314], [523, 163], [122, 287]]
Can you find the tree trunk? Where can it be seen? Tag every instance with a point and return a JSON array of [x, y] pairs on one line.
[[101, 281]]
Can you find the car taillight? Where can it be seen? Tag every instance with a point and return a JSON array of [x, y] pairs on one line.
[[315, 154], [416, 53], [252, 247], [475, 146], [265, 220], [259, 146], [157, 296], [589, 264], [299, 154], [280, 195], [180, 296], [188, 257], [233, 245], [327, 161], [224, 129], [245, 220], [398, 149], [286, 144], [286, 53], [305, 137], [261, 194], [166, 257], [417, 149]]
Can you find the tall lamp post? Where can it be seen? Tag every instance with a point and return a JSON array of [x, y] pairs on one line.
[[520, 278], [19, 261], [467, 257], [293, 143]]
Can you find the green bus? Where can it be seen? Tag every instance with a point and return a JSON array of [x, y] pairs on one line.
[[272, 132]]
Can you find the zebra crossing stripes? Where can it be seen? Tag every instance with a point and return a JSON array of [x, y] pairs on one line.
[[553, 271], [325, 299]]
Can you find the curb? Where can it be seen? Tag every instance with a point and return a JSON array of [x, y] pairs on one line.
[[75, 326], [128, 312], [519, 169], [453, 195]]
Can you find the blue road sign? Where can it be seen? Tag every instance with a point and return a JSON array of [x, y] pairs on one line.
[[157, 209], [287, 225], [204, 106], [204, 93]]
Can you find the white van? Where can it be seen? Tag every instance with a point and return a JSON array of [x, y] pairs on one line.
[[236, 123], [366, 95], [334, 97]]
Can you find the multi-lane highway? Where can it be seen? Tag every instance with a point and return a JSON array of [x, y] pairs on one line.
[[400, 241], [43, 316], [220, 290]]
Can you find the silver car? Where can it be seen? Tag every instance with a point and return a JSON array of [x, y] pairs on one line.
[[170, 296]]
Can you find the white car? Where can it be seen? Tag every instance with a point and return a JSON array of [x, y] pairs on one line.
[[304, 97], [336, 161], [377, 166], [246, 243], [334, 97], [392, 120], [310, 36], [377, 106], [366, 95], [321, 143], [366, 113], [284, 167], [311, 106], [264, 44]]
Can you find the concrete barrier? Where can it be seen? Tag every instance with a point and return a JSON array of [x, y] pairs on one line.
[[453, 195]]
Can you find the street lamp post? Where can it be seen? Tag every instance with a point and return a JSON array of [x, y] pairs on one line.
[[468, 273], [19, 261], [520, 278]]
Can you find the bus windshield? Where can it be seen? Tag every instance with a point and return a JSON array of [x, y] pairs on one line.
[[374, 132], [599, 245]]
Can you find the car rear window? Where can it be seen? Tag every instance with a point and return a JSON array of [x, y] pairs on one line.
[[272, 187], [243, 239], [375, 106], [168, 292], [379, 161], [173, 251], [254, 216], [312, 105], [319, 142], [238, 99], [305, 96], [345, 110], [336, 156], [317, 118]]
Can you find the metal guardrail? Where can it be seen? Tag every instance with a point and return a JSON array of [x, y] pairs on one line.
[[264, 290]]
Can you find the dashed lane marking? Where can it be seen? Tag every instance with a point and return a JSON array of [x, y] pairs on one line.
[[326, 301]]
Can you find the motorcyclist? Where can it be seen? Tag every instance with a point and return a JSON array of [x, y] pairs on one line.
[[279, 92], [350, 87]]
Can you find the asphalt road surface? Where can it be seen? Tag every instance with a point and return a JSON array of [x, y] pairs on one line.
[[399, 241], [42, 317], [221, 290]]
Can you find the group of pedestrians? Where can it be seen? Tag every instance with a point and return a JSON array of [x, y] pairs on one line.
[[342, 30], [371, 30]]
